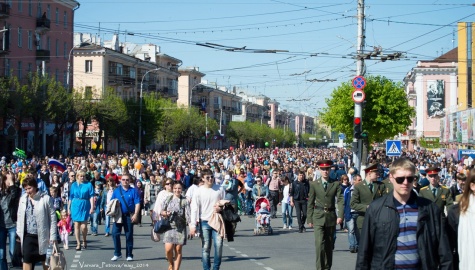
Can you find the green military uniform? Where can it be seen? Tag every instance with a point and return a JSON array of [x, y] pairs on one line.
[[321, 212], [388, 185], [442, 197], [362, 196]]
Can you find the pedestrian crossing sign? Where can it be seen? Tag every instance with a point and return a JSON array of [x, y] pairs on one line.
[[393, 148]]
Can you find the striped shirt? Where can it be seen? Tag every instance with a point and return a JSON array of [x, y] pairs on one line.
[[407, 255]]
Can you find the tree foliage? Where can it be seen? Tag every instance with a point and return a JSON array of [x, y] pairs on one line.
[[386, 109], [247, 133]]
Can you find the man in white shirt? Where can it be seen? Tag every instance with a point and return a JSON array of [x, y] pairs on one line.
[[203, 205]]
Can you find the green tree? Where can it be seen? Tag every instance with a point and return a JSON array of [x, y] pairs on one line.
[[386, 110]]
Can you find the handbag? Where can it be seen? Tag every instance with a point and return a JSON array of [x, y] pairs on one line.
[[162, 225], [57, 260], [155, 236]]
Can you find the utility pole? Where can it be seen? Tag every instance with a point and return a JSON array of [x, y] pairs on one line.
[[360, 71]]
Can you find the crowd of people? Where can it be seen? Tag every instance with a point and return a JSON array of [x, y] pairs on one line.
[[320, 188]]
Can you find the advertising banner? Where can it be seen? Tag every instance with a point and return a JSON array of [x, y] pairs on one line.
[[435, 98]]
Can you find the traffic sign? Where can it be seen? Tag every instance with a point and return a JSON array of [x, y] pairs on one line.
[[358, 96], [393, 148], [359, 82]]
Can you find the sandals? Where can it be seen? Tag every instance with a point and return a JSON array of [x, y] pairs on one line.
[[78, 247], [84, 246]]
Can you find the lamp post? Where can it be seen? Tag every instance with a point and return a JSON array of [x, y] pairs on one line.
[[69, 60], [140, 112]]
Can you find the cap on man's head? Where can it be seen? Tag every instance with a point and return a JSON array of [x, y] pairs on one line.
[[371, 168], [325, 163], [433, 170]]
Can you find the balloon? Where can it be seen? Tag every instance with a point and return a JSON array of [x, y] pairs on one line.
[[20, 164], [124, 162], [138, 165], [231, 148], [267, 143], [252, 146]]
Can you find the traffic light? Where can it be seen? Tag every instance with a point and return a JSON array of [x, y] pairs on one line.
[[357, 128], [364, 135]]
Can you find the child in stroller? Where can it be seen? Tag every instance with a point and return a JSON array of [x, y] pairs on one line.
[[261, 207]]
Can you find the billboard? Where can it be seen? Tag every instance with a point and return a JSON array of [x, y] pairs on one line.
[[435, 98]]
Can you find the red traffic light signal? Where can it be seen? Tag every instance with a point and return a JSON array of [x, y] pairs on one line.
[[357, 121]]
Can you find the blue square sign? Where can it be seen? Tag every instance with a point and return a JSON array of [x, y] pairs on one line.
[[393, 148]]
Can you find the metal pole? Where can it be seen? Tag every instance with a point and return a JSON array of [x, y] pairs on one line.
[[140, 112], [206, 134], [43, 63], [357, 143]]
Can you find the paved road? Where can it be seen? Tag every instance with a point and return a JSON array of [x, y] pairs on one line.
[[284, 250]]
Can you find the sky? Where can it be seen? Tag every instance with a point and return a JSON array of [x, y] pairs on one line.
[[313, 39]]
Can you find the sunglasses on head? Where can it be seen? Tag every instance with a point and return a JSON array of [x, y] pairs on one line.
[[401, 179]]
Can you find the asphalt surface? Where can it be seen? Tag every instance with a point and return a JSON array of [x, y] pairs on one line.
[[285, 249]]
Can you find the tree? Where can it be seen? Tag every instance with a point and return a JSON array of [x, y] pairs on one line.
[[386, 111]]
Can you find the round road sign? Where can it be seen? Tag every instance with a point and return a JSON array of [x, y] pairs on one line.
[[359, 82], [358, 96]]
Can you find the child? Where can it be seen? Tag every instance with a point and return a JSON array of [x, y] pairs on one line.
[[64, 226], [57, 201], [263, 216]]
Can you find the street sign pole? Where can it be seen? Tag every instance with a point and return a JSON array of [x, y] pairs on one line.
[[357, 143]]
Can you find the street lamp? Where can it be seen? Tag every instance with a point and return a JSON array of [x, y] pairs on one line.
[[140, 113], [69, 60]]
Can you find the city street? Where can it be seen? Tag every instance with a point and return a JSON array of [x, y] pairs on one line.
[[283, 250]]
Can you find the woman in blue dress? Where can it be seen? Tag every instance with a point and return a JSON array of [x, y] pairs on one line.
[[81, 206]]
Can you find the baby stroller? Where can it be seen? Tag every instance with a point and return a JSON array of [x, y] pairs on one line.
[[262, 209]]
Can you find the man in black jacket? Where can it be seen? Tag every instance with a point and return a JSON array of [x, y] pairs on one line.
[[298, 197], [402, 230]]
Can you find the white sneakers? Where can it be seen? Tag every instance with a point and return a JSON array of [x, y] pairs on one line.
[[285, 227], [290, 227], [129, 259], [115, 258]]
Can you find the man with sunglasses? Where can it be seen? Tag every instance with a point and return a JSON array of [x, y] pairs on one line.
[[435, 192], [203, 205], [321, 213], [366, 192], [402, 230]]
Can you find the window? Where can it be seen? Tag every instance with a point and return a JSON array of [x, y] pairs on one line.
[[48, 43], [7, 67], [48, 12], [88, 92], [20, 38], [119, 69], [20, 71], [132, 72], [56, 74], [65, 75], [57, 48], [88, 66], [30, 66], [30, 40], [65, 50], [56, 16], [65, 19], [30, 8], [20, 6], [39, 12]]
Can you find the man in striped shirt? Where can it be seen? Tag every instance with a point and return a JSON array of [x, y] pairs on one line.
[[402, 230]]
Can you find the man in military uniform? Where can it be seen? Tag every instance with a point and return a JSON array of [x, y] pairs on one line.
[[366, 192], [435, 192], [321, 214]]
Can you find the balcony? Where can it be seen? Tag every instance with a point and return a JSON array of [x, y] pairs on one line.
[[128, 81], [4, 10], [217, 106], [42, 25], [115, 79], [152, 87], [412, 133], [43, 55]]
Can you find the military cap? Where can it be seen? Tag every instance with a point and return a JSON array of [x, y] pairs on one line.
[[433, 170], [325, 163], [371, 168]]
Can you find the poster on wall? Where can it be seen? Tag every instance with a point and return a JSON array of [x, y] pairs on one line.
[[471, 126], [452, 127], [464, 125], [435, 98], [442, 130]]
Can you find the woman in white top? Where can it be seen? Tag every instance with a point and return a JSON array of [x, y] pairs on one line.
[[161, 197], [466, 234], [287, 209]]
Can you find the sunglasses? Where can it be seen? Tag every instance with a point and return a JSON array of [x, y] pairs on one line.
[[125, 179], [401, 179], [167, 184]]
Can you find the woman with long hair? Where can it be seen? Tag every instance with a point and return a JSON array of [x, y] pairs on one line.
[[177, 209], [106, 198], [9, 198], [466, 234]]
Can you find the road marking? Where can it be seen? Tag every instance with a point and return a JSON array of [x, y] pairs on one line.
[[79, 256], [268, 268], [237, 251], [250, 259], [75, 265], [258, 263], [244, 255]]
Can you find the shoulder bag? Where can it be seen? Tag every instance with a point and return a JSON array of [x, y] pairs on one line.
[[126, 205], [57, 260]]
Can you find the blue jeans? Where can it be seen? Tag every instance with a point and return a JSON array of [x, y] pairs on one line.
[[287, 210], [129, 236], [107, 224], [207, 234], [351, 226], [94, 218], [4, 233]]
